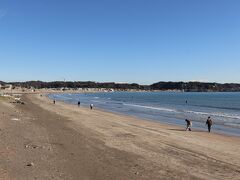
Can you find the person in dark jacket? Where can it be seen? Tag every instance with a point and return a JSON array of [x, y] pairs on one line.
[[79, 103], [209, 123], [189, 124]]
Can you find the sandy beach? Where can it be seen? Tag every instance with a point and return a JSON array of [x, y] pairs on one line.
[[40, 140]]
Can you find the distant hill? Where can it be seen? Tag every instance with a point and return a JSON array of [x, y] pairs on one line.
[[77, 84], [196, 86], [163, 86]]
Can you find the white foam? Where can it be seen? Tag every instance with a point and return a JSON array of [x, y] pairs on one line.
[[97, 101], [65, 98], [216, 114], [196, 112], [232, 125], [153, 108]]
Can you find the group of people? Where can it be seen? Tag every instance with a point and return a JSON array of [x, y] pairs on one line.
[[209, 123], [79, 104], [91, 105]]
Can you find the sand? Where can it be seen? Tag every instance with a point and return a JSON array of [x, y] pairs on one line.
[[40, 140]]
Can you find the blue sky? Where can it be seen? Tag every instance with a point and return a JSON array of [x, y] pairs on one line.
[[141, 41]]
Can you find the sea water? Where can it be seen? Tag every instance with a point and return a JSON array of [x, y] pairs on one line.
[[168, 107]]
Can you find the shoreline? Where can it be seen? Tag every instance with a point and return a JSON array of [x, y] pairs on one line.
[[141, 120], [63, 141], [199, 129]]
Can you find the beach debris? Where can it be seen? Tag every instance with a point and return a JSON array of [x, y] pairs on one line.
[[30, 164], [17, 99], [15, 119], [136, 173], [30, 146], [17, 102], [45, 146]]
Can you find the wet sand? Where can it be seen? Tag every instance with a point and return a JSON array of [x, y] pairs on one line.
[[40, 140]]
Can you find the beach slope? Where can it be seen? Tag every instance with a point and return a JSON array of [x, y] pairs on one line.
[[40, 140]]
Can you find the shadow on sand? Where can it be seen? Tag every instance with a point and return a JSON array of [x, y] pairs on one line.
[[177, 129], [193, 130]]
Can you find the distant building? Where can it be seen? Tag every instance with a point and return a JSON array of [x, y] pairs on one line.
[[6, 87]]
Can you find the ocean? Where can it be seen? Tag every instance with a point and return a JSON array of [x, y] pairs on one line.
[[168, 107]]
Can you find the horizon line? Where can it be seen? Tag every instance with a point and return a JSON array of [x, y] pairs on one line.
[[195, 81]]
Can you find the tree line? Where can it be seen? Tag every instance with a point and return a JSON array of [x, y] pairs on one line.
[[163, 86]]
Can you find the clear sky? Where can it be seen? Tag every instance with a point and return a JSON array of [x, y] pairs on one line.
[[141, 41]]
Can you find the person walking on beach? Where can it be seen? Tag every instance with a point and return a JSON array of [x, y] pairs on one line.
[[54, 102], [209, 124], [91, 106], [79, 103], [189, 124]]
